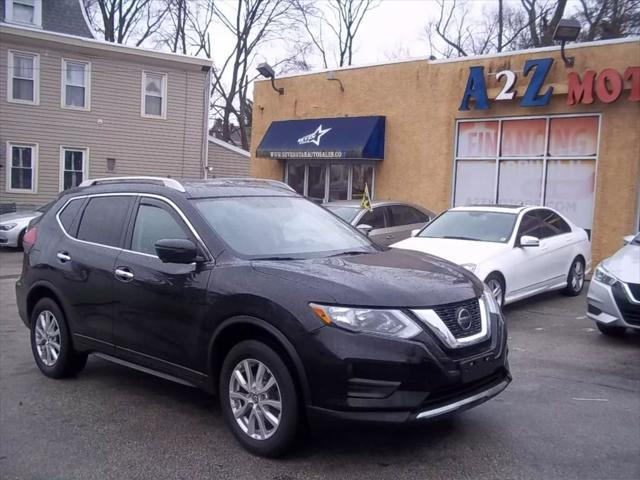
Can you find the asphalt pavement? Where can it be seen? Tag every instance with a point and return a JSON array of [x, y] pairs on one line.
[[572, 411]]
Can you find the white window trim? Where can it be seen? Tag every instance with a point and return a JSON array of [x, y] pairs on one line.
[[87, 85], [544, 158], [34, 168], [37, 13], [85, 164], [164, 95], [36, 78]]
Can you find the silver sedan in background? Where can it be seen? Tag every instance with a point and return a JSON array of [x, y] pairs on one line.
[[14, 224], [614, 293], [387, 223]]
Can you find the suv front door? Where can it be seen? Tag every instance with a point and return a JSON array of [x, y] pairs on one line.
[[160, 306]]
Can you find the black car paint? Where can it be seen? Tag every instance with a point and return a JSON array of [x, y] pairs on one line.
[[170, 316]]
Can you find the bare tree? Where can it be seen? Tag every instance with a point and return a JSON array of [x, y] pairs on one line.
[[126, 21], [609, 18], [187, 28], [333, 24]]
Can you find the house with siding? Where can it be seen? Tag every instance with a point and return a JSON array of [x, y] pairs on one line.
[[73, 107], [226, 160]]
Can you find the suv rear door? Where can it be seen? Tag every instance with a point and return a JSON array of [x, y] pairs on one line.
[[159, 312], [84, 261]]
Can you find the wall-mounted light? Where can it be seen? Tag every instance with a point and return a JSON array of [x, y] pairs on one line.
[[567, 30], [331, 75], [267, 71]]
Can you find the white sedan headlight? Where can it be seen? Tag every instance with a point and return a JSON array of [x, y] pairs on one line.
[[7, 226], [604, 276], [385, 322], [491, 301]]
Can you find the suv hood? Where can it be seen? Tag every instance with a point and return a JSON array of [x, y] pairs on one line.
[[391, 278], [456, 251], [625, 264]]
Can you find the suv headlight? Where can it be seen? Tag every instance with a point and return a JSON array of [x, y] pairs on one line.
[[491, 302], [604, 276], [7, 226], [385, 322]]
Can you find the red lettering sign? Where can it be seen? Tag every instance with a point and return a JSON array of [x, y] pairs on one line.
[[632, 74], [580, 91], [607, 86]]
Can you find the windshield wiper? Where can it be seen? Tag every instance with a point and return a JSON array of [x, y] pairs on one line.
[[454, 237], [276, 258], [348, 252]]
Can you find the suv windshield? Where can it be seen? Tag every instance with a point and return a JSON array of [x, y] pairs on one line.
[[280, 227], [345, 213], [472, 225]]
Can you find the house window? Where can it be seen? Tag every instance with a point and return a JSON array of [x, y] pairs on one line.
[[331, 181], [73, 167], [25, 12], [154, 95], [546, 160], [22, 163], [76, 83], [23, 77]]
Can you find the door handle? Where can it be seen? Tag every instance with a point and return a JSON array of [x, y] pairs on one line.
[[123, 273], [63, 257]]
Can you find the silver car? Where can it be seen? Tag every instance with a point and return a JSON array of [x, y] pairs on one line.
[[387, 223], [13, 225], [614, 293]]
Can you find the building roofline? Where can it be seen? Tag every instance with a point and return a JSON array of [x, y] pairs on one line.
[[78, 41], [510, 53], [233, 148]]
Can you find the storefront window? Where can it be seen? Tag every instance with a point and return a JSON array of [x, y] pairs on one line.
[[541, 161], [331, 181]]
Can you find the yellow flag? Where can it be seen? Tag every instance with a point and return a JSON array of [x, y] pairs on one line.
[[366, 199]]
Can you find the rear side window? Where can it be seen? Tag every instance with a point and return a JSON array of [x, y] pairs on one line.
[[69, 214], [153, 223], [103, 220], [403, 215]]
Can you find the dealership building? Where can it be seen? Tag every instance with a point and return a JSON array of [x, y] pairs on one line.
[[523, 127]]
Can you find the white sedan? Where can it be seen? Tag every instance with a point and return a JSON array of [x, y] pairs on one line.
[[518, 251]]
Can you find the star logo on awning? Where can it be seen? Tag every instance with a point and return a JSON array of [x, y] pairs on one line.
[[314, 137]]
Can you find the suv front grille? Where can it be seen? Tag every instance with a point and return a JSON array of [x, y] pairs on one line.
[[449, 315], [635, 290], [630, 311]]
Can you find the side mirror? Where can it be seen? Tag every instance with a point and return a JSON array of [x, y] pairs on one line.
[[415, 232], [364, 228], [529, 241], [627, 239], [174, 250]]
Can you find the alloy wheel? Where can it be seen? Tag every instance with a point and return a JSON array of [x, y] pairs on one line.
[[47, 338], [496, 290], [255, 399], [577, 277]]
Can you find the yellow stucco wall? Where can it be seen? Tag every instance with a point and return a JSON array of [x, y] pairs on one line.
[[420, 100]]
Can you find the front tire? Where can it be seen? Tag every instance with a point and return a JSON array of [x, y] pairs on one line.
[[51, 342], [496, 285], [258, 399], [575, 278], [610, 330]]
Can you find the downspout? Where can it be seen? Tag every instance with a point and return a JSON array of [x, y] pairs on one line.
[[205, 123]]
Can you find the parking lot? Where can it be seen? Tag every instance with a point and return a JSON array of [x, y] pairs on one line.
[[572, 411]]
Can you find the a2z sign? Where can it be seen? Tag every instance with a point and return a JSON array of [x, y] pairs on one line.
[[606, 86], [533, 97]]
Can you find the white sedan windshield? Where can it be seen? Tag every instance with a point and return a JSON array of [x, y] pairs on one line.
[[280, 227], [472, 225]]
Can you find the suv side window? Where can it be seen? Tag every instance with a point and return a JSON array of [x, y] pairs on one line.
[[69, 214], [404, 215], [103, 220], [375, 218], [154, 221], [553, 222]]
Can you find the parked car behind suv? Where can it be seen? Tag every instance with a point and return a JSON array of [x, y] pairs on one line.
[[246, 289]]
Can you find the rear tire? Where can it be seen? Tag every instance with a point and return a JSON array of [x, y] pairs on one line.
[[20, 238], [610, 330], [575, 278], [264, 420], [51, 342]]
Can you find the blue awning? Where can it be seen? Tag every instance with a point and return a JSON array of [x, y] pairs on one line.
[[344, 138]]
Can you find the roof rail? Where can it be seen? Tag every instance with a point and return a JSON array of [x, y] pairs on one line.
[[268, 181], [167, 182]]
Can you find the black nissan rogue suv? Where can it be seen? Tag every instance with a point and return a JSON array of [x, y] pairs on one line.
[[244, 288]]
